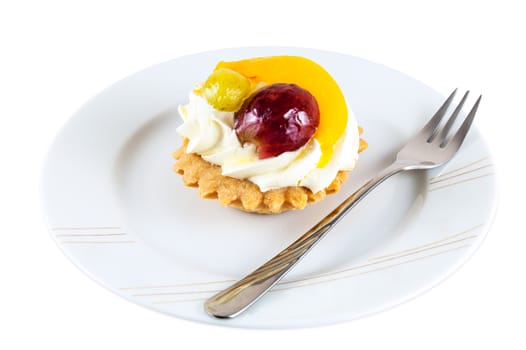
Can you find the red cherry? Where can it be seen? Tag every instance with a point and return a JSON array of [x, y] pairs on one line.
[[277, 118]]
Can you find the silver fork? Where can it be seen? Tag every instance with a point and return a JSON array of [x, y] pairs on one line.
[[430, 148]]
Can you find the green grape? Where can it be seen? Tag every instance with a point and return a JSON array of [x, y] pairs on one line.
[[226, 89]]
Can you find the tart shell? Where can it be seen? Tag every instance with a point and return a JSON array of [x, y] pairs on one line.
[[243, 194]]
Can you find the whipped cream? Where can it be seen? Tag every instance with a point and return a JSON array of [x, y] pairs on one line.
[[211, 134]]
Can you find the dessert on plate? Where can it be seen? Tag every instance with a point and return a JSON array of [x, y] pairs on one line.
[[267, 134]]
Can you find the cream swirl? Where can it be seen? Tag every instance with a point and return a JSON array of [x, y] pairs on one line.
[[210, 133]]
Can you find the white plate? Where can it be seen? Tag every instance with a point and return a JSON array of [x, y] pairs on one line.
[[117, 210]]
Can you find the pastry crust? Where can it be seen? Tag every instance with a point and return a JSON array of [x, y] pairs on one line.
[[243, 194]]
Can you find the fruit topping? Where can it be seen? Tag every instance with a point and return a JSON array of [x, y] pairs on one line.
[[226, 89], [277, 118]]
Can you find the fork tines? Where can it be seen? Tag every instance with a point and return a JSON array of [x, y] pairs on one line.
[[440, 135]]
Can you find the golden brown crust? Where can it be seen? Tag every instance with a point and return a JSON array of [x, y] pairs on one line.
[[243, 194]]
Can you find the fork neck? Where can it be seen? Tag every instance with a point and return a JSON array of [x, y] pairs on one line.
[[394, 168], [361, 192], [383, 175]]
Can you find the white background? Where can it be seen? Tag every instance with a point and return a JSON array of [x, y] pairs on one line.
[[57, 54]]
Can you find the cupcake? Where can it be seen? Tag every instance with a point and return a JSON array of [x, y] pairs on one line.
[[267, 134]]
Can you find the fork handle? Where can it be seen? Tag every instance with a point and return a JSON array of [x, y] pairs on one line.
[[238, 297]]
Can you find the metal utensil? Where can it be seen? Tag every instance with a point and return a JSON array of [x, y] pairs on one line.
[[430, 148]]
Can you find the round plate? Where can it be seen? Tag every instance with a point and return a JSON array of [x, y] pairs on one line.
[[120, 213]]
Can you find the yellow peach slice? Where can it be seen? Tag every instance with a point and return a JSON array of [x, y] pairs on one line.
[[310, 76]]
